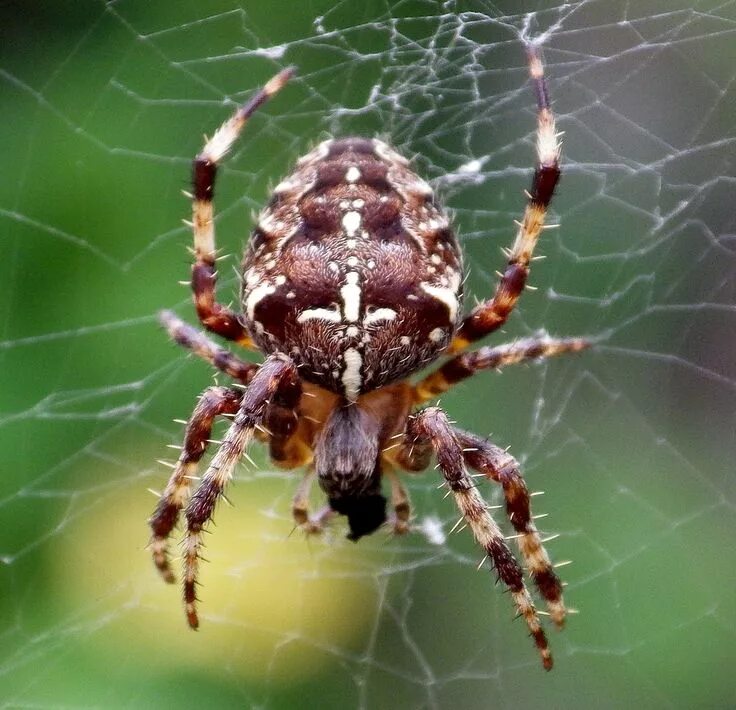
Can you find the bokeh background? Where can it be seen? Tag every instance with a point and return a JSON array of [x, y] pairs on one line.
[[103, 106]]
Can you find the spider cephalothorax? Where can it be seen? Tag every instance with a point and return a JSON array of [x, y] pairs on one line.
[[352, 283]]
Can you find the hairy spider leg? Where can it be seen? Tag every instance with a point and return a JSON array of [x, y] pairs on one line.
[[468, 364], [499, 466], [213, 315], [431, 427], [288, 448], [492, 314], [276, 380], [288, 436], [214, 402], [310, 524], [400, 504], [199, 344]]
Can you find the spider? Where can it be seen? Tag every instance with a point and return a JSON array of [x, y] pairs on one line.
[[352, 283]]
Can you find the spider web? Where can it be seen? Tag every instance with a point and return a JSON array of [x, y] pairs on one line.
[[633, 443]]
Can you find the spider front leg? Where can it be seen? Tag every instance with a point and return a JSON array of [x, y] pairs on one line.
[[492, 314], [430, 427], [215, 401], [213, 315], [276, 380]]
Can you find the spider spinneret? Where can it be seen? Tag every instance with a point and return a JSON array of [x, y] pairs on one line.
[[351, 283]]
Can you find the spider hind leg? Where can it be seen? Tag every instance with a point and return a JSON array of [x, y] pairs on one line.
[[213, 315], [431, 427], [499, 466]]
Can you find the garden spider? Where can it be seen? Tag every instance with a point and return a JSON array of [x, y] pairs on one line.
[[352, 282]]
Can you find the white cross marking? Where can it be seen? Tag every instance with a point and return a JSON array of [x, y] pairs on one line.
[[446, 295], [351, 222], [350, 293], [256, 295], [332, 316], [351, 378], [378, 315]]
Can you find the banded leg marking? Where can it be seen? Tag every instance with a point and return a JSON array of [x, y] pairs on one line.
[[468, 364], [276, 378], [192, 339], [310, 524], [214, 401], [492, 314], [431, 425], [213, 315], [499, 466], [400, 504]]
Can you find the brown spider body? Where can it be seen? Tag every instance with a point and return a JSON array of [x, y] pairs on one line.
[[352, 283], [352, 270], [355, 273]]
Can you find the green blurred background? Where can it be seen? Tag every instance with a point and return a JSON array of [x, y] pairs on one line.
[[103, 106]]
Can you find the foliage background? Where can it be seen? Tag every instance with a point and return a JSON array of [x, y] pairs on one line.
[[103, 106]]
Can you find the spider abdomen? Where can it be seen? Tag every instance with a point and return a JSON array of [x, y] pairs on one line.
[[353, 270]]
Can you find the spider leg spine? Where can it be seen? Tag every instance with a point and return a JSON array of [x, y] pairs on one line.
[[201, 346], [465, 365], [501, 467]]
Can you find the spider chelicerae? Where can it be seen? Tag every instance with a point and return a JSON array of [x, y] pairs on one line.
[[352, 283]]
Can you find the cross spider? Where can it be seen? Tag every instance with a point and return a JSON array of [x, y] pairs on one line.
[[351, 283]]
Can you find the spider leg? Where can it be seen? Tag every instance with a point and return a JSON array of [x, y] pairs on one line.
[[215, 401], [492, 314], [499, 466], [288, 445], [213, 315], [400, 503], [192, 339], [300, 503], [276, 380], [468, 364], [413, 454], [310, 524], [432, 426]]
